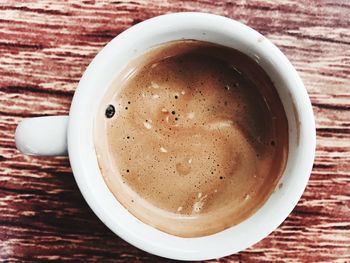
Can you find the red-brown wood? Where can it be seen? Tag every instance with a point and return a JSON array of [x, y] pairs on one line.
[[45, 47]]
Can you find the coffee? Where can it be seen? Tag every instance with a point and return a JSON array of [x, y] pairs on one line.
[[191, 137]]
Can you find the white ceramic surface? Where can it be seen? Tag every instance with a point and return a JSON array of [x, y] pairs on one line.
[[104, 68]]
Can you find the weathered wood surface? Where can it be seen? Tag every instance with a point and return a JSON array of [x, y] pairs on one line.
[[45, 47]]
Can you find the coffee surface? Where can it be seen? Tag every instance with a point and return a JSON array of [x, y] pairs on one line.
[[191, 138]]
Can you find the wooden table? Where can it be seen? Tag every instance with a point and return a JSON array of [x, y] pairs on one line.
[[45, 47]]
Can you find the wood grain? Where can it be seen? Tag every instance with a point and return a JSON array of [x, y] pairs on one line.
[[45, 47]]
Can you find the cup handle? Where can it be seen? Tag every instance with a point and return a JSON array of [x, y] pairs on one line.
[[43, 136]]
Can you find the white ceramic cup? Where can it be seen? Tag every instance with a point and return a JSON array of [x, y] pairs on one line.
[[54, 135]]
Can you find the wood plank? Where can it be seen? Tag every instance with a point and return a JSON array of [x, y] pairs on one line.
[[45, 47]]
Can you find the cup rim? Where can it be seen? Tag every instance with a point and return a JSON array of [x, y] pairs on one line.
[[85, 167]]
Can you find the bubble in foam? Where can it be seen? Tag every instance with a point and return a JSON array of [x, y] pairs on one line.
[[163, 150], [147, 124], [198, 205], [110, 111], [154, 65], [154, 85]]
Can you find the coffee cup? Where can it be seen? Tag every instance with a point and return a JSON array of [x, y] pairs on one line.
[[73, 134]]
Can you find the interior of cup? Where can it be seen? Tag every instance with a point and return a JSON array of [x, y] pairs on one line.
[[131, 44]]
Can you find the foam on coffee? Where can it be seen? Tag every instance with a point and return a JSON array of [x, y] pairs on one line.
[[198, 139]]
